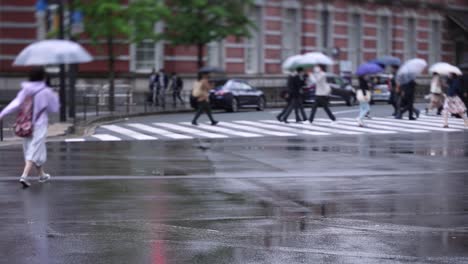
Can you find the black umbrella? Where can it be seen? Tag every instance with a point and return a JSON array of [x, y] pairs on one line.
[[210, 69]]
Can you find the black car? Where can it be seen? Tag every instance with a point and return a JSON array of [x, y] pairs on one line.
[[341, 90], [232, 95]]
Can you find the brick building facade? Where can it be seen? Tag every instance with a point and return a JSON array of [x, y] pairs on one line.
[[352, 30]]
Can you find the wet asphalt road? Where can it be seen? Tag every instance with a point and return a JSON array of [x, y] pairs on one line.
[[399, 198]]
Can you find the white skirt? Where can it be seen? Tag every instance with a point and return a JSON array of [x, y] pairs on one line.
[[34, 148]]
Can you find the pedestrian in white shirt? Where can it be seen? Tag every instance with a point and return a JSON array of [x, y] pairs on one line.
[[322, 93], [437, 96]]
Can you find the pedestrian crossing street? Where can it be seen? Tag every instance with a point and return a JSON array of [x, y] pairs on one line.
[[265, 128]]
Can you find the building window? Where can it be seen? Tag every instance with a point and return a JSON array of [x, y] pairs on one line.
[[215, 54], [254, 44], [324, 38], [355, 40], [148, 54], [435, 42], [291, 33], [410, 38], [144, 56], [384, 34]]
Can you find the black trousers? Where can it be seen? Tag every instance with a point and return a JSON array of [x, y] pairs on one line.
[[203, 106], [159, 96], [395, 102], [321, 101], [297, 105], [408, 105], [176, 95]]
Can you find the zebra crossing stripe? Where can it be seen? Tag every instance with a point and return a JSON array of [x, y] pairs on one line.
[[128, 132], [256, 130], [355, 128], [189, 130], [407, 124], [282, 128], [441, 118], [370, 124], [453, 121], [316, 128], [159, 131], [411, 124], [433, 125], [74, 140], [225, 130], [106, 137], [437, 124]]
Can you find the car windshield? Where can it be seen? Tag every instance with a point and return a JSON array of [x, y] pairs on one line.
[[220, 85], [380, 80]]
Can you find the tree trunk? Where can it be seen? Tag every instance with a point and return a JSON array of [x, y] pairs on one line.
[[111, 60], [200, 48]]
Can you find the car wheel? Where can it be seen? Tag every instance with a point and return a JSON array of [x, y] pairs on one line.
[[261, 104], [234, 105]]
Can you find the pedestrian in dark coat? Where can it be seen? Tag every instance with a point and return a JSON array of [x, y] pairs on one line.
[[177, 85], [407, 92], [161, 82], [296, 83], [394, 92]]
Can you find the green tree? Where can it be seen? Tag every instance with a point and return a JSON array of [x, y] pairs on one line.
[[107, 20], [199, 22]]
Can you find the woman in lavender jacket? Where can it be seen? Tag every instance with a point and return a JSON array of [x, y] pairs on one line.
[[45, 101]]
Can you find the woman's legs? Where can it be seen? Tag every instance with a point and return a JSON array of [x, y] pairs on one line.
[[445, 115], [198, 113], [27, 168], [204, 107], [363, 109], [40, 170]]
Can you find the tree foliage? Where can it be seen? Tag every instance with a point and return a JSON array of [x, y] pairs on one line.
[[107, 20], [111, 18], [199, 22]]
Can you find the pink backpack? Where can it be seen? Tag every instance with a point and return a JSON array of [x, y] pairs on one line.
[[24, 124]]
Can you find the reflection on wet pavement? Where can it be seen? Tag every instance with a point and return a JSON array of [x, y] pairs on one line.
[[251, 155], [390, 199], [414, 219]]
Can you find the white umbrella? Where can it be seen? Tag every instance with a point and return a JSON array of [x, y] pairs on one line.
[[314, 58], [52, 51], [413, 67], [410, 70], [444, 68], [290, 63]]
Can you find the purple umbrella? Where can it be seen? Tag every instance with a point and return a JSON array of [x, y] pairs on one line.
[[368, 68]]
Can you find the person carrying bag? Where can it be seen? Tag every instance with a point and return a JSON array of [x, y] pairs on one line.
[[201, 92], [34, 101], [363, 95]]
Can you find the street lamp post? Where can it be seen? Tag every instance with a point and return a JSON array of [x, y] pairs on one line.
[[72, 68], [62, 91], [41, 6]]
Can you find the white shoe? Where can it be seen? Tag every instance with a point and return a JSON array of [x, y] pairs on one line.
[[25, 182], [44, 177], [360, 123], [333, 123]]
